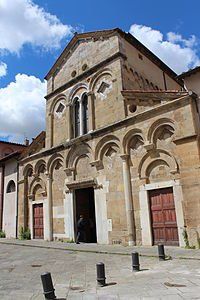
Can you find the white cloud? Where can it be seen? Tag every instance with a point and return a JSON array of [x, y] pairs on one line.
[[23, 22], [3, 69], [22, 108], [178, 53]]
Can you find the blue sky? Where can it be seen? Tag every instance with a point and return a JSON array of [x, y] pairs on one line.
[[169, 28]]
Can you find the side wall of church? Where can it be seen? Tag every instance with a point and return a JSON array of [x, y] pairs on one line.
[[140, 72]]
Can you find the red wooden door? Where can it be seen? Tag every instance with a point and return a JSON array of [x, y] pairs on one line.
[[163, 216], [38, 229]]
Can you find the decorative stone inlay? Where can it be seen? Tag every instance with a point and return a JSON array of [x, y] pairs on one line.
[[60, 108], [84, 67], [73, 74], [103, 87]]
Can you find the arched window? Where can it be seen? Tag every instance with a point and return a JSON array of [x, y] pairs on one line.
[[76, 118], [11, 187], [85, 113], [80, 116]]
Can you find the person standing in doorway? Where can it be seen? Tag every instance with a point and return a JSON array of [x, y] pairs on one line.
[[81, 230]]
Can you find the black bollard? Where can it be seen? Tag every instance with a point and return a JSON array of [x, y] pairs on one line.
[[161, 252], [135, 261], [48, 286], [101, 279]]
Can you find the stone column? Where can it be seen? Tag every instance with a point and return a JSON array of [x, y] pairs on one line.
[[91, 111], [49, 215], [51, 130], [128, 199], [25, 203], [68, 122]]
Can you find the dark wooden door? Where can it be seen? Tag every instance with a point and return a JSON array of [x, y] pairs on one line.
[[163, 216], [38, 228]]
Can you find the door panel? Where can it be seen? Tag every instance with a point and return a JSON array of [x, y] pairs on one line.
[[38, 228], [163, 216]]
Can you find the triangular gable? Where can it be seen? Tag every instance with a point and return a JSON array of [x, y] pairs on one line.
[[106, 34]]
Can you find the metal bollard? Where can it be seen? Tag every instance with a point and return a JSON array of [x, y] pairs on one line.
[[135, 261], [48, 286], [101, 279], [161, 252]]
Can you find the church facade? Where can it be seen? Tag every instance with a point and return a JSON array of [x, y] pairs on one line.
[[121, 148]]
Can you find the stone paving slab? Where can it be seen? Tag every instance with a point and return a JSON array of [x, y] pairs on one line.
[[174, 252], [74, 275]]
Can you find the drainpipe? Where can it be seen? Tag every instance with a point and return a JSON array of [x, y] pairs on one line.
[[1, 197]]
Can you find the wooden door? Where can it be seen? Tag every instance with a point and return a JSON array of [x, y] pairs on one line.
[[163, 216], [38, 228]]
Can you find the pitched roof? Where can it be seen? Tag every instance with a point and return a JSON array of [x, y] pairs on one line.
[[107, 33], [189, 72], [33, 146], [11, 143], [11, 155]]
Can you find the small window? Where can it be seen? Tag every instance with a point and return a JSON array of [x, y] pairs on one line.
[[11, 187], [60, 108], [103, 87]]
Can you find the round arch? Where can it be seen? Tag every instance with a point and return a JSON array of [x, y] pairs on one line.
[[97, 76], [34, 185], [55, 158], [76, 89], [55, 101], [11, 187], [40, 163], [28, 170], [161, 156], [128, 137], [153, 128], [106, 140], [77, 152]]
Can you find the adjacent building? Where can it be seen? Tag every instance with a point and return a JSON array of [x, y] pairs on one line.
[[9, 154], [191, 80]]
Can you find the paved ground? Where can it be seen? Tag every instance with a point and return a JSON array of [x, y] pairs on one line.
[[74, 275], [174, 252]]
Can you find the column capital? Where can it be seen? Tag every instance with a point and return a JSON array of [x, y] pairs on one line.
[[125, 157], [90, 93], [49, 177], [69, 171]]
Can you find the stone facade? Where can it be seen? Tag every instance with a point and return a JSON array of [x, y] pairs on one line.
[[136, 131]]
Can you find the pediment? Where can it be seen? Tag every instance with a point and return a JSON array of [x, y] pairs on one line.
[[83, 41]]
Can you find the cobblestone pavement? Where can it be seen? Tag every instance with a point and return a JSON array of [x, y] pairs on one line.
[[74, 275]]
